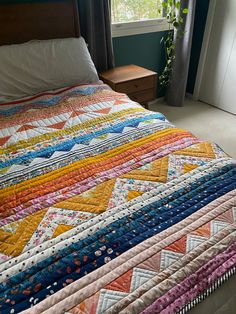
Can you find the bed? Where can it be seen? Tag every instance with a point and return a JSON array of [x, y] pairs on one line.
[[107, 207]]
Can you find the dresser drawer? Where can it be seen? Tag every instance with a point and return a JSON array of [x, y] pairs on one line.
[[143, 96], [136, 85]]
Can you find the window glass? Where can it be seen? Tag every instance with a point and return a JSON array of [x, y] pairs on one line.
[[135, 10]]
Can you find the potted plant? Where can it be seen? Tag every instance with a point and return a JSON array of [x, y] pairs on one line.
[[174, 15]]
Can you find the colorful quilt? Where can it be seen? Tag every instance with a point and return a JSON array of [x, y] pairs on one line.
[[106, 207]]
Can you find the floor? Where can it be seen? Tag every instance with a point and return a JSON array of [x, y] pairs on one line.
[[205, 121]]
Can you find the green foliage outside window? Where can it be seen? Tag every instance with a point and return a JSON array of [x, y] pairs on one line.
[[135, 10]]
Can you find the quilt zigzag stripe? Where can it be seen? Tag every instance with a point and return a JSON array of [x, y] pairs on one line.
[[49, 99], [106, 207], [65, 205], [81, 151], [93, 224], [222, 263], [145, 225], [77, 293]]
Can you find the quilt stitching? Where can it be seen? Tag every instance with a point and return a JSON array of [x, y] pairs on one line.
[[94, 189]]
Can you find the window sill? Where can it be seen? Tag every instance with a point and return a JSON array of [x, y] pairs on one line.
[[139, 27]]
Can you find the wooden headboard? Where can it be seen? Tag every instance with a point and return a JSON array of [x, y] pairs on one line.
[[21, 22]]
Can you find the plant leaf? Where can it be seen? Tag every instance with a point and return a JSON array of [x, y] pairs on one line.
[[164, 4], [176, 24], [177, 5], [185, 11]]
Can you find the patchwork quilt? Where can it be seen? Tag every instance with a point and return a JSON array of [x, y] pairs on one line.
[[106, 207]]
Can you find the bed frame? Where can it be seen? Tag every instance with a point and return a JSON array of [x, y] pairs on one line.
[[21, 22]]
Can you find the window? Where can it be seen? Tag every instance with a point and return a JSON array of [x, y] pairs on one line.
[[130, 17], [135, 10]]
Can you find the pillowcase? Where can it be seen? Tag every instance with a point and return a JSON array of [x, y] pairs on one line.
[[38, 66]]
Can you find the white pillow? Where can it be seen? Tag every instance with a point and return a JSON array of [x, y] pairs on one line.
[[37, 66]]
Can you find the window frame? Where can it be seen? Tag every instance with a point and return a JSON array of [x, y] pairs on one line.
[[159, 24], [139, 27]]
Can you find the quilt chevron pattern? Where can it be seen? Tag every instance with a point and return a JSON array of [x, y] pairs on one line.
[[106, 207]]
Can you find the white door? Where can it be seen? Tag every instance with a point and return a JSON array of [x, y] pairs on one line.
[[218, 84]]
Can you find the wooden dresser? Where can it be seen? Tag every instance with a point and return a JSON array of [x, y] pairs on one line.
[[138, 83]]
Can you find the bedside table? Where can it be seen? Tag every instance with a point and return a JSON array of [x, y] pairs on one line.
[[138, 83]]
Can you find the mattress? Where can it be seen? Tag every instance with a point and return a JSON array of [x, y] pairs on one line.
[[109, 208]]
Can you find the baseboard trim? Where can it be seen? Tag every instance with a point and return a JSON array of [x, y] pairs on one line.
[[162, 99], [156, 101]]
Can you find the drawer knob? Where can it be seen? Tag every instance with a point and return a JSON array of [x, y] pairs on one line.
[[135, 85]]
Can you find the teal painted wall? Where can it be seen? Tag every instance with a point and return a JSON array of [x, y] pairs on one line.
[[144, 50]]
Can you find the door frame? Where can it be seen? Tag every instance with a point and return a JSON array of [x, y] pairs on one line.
[[205, 44]]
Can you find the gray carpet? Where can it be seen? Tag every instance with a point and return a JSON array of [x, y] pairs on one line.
[[204, 121]]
